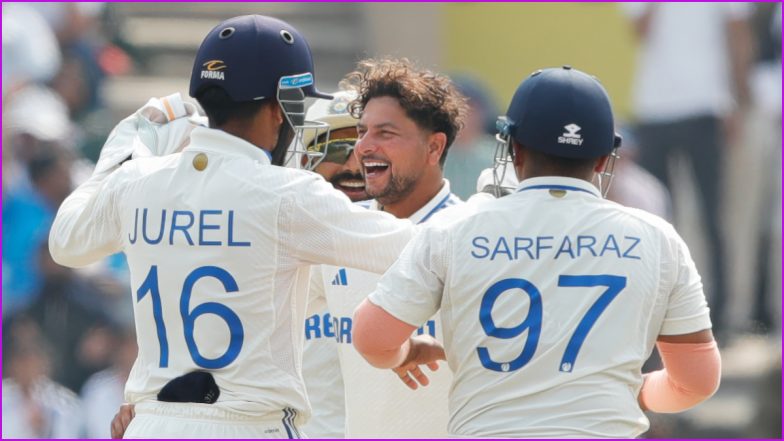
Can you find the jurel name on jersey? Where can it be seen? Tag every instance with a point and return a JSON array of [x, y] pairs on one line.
[[201, 228], [555, 247]]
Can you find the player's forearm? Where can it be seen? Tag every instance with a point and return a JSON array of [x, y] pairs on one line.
[[388, 359], [73, 238], [379, 337], [690, 376]]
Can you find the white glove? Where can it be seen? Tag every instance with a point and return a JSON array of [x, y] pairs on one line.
[[486, 183], [160, 127], [165, 130]]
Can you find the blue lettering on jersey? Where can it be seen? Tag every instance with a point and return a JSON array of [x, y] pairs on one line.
[[634, 242], [480, 242], [342, 326], [555, 247], [540, 245], [183, 225], [205, 226], [183, 228], [566, 247], [585, 242], [527, 248], [610, 245], [232, 243], [319, 326], [501, 247]]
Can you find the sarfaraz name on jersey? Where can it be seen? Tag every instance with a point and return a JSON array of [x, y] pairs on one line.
[[554, 247], [202, 228]]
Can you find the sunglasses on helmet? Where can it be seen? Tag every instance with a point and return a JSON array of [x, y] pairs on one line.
[[336, 151]]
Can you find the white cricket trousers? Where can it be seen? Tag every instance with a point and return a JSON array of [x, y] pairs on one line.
[[196, 420]]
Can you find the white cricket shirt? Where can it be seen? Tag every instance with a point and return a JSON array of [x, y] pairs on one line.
[[219, 261], [378, 404], [551, 298]]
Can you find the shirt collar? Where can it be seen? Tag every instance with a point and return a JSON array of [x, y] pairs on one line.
[[433, 205], [558, 183], [220, 142]]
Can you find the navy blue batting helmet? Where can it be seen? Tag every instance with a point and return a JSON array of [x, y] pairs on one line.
[[563, 112], [251, 57]]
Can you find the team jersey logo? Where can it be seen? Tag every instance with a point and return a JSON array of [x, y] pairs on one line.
[[570, 136], [213, 70], [340, 278]]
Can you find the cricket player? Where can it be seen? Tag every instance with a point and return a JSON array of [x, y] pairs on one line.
[[408, 119], [333, 159], [219, 240], [552, 297]]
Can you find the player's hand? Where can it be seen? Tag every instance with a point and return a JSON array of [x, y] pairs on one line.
[[121, 420], [165, 126], [486, 182], [424, 350], [160, 127]]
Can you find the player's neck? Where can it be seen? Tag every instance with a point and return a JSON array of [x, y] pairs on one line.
[[262, 139], [424, 191]]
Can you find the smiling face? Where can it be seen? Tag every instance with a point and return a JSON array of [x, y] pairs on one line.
[[346, 177], [392, 150]]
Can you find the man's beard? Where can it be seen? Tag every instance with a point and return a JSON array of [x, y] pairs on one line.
[[399, 188]]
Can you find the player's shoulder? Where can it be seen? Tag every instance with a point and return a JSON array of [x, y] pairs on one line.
[[644, 218], [140, 167]]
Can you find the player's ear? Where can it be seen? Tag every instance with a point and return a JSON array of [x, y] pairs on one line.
[[516, 150], [435, 147], [277, 112], [601, 163]]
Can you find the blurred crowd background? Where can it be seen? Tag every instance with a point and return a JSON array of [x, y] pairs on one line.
[[697, 94]]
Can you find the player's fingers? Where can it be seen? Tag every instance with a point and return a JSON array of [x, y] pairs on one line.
[[405, 378], [433, 366], [117, 430], [420, 376]]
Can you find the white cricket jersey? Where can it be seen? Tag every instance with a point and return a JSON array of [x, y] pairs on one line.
[[219, 261], [378, 404], [321, 367], [552, 298]]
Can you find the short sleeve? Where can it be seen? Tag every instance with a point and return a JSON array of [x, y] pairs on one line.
[[411, 290], [687, 309]]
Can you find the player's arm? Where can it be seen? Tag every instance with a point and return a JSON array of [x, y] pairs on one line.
[[407, 295], [322, 226], [692, 366], [87, 226], [691, 374], [387, 342]]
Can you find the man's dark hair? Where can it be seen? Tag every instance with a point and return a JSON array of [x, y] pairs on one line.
[[430, 99], [220, 108]]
